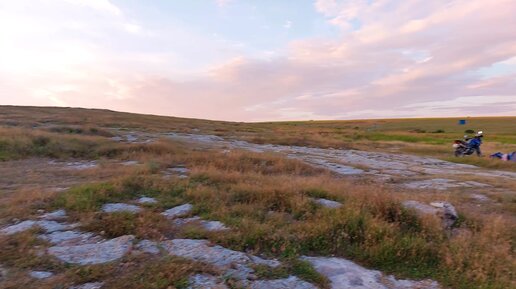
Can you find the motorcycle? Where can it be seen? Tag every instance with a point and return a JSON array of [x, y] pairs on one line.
[[462, 148]]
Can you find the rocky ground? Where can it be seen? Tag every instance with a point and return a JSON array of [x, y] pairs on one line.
[[71, 245]]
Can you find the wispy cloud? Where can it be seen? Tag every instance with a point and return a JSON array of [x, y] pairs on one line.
[[389, 58], [222, 3], [100, 5]]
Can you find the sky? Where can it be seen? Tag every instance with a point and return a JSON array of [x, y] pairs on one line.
[[262, 60]]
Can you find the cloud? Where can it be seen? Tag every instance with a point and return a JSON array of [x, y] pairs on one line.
[[223, 3], [390, 59], [99, 5]]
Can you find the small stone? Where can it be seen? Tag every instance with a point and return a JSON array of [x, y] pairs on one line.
[[328, 203], [82, 165], [41, 274], [120, 207], [213, 226], [179, 170], [178, 211], [147, 200], [95, 285]]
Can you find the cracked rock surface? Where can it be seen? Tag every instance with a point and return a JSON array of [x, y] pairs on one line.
[[120, 207], [98, 253], [345, 274], [178, 211]]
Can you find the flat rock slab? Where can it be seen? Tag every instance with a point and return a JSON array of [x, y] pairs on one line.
[[204, 281], [67, 238], [213, 226], [178, 211], [332, 166], [291, 282], [54, 216], [120, 207], [233, 263], [345, 274], [443, 184], [99, 253], [81, 165], [385, 163], [94, 285], [40, 274], [328, 203], [17, 228], [48, 226]]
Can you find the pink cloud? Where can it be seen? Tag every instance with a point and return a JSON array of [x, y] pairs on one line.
[[403, 53]]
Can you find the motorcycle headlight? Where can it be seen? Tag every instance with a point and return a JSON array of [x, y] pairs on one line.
[[455, 145]]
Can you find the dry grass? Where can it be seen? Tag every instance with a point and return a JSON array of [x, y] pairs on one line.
[[430, 137], [264, 198]]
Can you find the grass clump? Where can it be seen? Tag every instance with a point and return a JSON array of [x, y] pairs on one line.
[[144, 225], [88, 198], [164, 273], [21, 251]]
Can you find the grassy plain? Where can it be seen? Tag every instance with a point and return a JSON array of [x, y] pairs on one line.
[[264, 198]]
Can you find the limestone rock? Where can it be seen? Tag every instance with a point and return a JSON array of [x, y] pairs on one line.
[[40, 274], [147, 200], [328, 203], [345, 274], [20, 227], [94, 285], [54, 216], [66, 238], [98, 253], [233, 263], [178, 211], [291, 282], [48, 226], [120, 207], [444, 210], [204, 281]]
